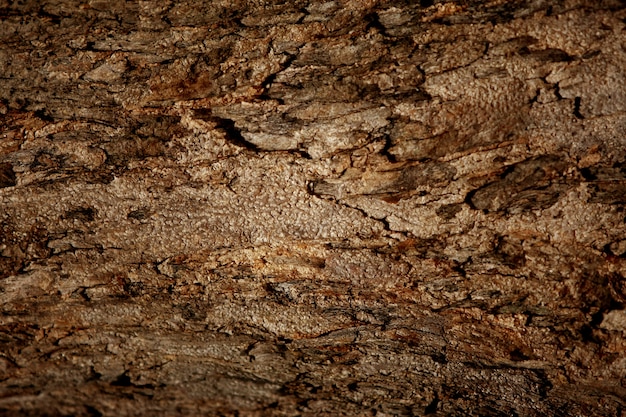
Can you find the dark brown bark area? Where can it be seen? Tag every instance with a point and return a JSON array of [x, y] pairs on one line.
[[384, 208]]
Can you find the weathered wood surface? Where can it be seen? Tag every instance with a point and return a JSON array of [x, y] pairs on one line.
[[313, 208]]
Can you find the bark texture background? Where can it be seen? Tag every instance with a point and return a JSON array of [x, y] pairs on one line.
[[281, 208]]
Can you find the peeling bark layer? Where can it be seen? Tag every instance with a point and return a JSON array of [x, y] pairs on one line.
[[313, 208]]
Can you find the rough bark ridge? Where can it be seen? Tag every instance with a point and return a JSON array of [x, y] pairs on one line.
[[281, 208]]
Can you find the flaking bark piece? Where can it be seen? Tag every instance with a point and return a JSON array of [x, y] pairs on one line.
[[527, 185]]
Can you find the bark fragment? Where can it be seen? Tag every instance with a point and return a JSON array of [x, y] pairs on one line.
[[312, 208]]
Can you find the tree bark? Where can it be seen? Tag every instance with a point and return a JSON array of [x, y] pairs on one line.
[[351, 207]]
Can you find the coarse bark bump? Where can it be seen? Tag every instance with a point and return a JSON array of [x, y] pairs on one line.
[[310, 208]]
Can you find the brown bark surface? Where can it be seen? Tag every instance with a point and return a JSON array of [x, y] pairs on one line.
[[313, 208]]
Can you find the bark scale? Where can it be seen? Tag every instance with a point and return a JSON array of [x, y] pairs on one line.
[[313, 208]]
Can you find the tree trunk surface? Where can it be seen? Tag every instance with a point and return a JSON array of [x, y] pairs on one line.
[[313, 208]]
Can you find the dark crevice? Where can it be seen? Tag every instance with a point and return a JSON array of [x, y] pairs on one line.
[[305, 13], [231, 132], [269, 80], [49, 17], [83, 293], [122, 380], [587, 335], [385, 150], [469, 197], [591, 54], [92, 411], [546, 55], [557, 91], [439, 357], [300, 152], [545, 386], [577, 112], [597, 318], [432, 407], [7, 175], [43, 115], [83, 214], [373, 22], [588, 174], [459, 268]]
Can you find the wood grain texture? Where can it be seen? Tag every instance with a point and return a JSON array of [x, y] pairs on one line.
[[359, 208]]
